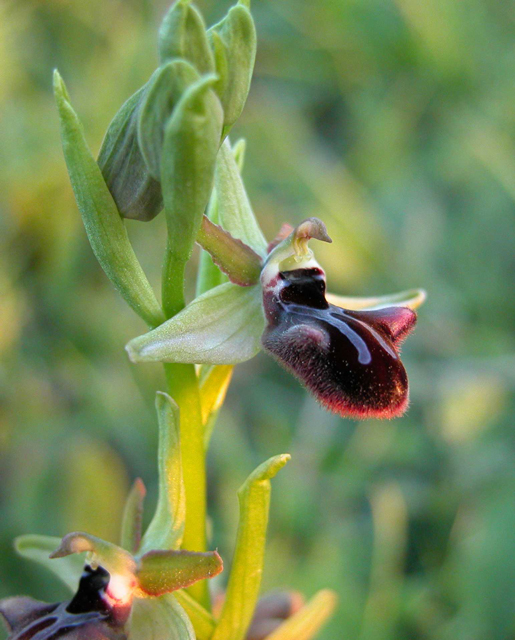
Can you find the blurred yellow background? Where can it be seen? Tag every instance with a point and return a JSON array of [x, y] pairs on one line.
[[394, 122]]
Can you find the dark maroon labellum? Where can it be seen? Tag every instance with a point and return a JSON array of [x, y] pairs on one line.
[[88, 616], [348, 359]]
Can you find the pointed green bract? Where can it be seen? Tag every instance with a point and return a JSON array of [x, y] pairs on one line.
[[238, 35], [39, 548], [132, 517], [166, 571], [136, 193], [167, 88], [235, 214], [223, 326], [159, 619], [247, 567], [183, 35], [306, 623], [191, 144], [167, 526], [104, 226], [412, 299]]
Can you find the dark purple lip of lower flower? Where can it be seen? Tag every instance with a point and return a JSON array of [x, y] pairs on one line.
[[87, 616], [348, 359]]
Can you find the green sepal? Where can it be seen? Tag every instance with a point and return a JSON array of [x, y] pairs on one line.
[[168, 85], [247, 567], [306, 623], [38, 548], [166, 571], [104, 226], [235, 214], [160, 618], [222, 326], [238, 35], [202, 621], [166, 529], [183, 35], [110, 556], [191, 144], [209, 275], [132, 517], [136, 193]]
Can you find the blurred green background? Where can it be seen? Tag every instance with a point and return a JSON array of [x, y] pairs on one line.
[[393, 121]]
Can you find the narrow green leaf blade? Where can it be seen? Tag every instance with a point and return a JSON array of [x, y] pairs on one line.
[[166, 571], [167, 526], [223, 326], [247, 568], [213, 389], [306, 623], [191, 143], [132, 517], [39, 548], [159, 619], [234, 211], [104, 226]]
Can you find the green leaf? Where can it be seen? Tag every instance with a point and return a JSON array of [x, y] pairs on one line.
[[167, 526], [132, 517], [222, 326], [165, 571], [247, 567], [136, 193], [183, 35], [234, 211], [191, 144], [167, 88], [306, 623], [238, 34], [104, 226], [202, 621], [411, 299], [39, 548], [159, 619], [112, 557]]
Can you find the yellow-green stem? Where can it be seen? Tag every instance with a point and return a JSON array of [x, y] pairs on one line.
[[183, 387]]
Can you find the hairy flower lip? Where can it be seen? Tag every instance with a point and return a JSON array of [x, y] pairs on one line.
[[348, 359]]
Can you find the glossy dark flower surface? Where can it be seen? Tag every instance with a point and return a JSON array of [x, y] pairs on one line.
[[88, 616], [348, 359]]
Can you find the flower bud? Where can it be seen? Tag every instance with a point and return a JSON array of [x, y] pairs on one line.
[[136, 193]]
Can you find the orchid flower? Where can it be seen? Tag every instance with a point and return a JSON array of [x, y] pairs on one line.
[[345, 350], [132, 590]]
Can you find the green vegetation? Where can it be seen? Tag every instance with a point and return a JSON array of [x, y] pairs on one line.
[[394, 123]]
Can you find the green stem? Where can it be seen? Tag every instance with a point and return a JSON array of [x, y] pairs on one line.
[[183, 387], [172, 287]]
